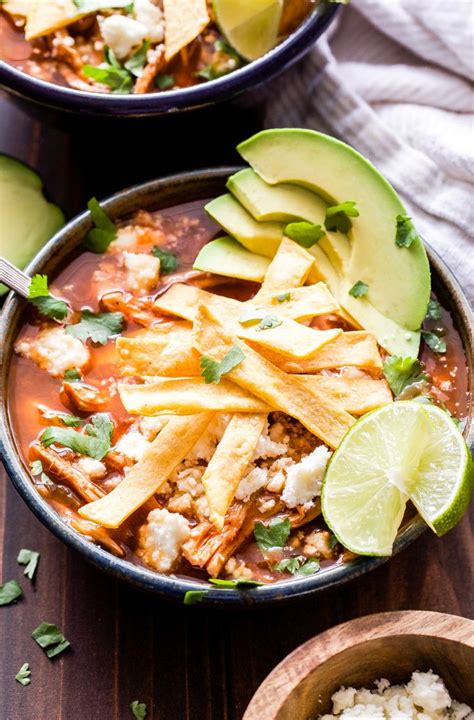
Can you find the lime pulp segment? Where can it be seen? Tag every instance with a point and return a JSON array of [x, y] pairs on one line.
[[250, 26]]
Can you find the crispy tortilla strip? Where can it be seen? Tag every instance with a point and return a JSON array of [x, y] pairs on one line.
[[289, 268], [304, 302], [18, 7], [229, 463], [184, 21], [44, 18], [289, 338], [167, 351], [356, 394], [159, 460], [281, 391], [185, 396], [357, 348]]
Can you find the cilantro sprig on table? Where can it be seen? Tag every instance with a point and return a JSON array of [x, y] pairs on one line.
[[47, 304], [50, 639], [212, 370], [338, 217], [98, 327], [23, 675], [10, 592], [94, 442], [30, 558], [138, 709]]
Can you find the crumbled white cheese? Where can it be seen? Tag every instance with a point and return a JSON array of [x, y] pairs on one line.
[[161, 539], [132, 444], [206, 445], [253, 481], [143, 271], [151, 426], [277, 474], [126, 239], [94, 469], [122, 34], [424, 697], [54, 350], [150, 15], [304, 479], [267, 448]]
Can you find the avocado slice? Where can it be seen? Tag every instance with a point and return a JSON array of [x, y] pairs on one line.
[[27, 220], [287, 203], [226, 256], [398, 277], [260, 238]]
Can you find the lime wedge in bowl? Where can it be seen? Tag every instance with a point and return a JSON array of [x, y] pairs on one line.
[[403, 451], [250, 26]]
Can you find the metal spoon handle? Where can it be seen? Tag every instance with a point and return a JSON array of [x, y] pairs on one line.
[[13, 278]]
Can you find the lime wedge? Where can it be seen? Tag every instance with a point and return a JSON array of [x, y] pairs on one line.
[[401, 451], [250, 26]]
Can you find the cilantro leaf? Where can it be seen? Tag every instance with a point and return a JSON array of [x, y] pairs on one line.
[[305, 234], [275, 534], [111, 73], [359, 289], [90, 6], [298, 565], [310, 567], [138, 710], [23, 675], [168, 261], [251, 315], [434, 341], [48, 305], [238, 582], [164, 82], [434, 310], [282, 297], [338, 217], [99, 239], [405, 233], [36, 467], [72, 374], [95, 442], [223, 46], [194, 596], [9, 592], [137, 61], [98, 327], [225, 60], [212, 371], [268, 322], [50, 638], [30, 558], [333, 541], [401, 372]]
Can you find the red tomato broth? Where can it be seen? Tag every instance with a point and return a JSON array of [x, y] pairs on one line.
[[182, 230]]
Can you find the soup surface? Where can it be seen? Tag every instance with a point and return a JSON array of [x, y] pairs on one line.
[[93, 53], [56, 377]]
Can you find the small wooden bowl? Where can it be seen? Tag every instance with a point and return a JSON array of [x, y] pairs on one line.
[[386, 645]]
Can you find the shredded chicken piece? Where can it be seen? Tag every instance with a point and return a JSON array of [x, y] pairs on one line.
[[139, 310], [116, 461], [98, 534], [64, 471], [62, 49], [84, 397], [156, 61]]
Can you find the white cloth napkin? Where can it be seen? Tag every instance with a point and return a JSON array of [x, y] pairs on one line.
[[393, 78]]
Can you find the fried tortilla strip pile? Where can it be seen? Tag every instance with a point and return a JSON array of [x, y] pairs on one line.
[[43, 18], [288, 338], [169, 448], [184, 21], [281, 391], [301, 303], [289, 268], [167, 351], [357, 395], [229, 463]]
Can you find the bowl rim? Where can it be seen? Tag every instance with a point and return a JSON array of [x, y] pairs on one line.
[[69, 237], [295, 668], [221, 89]]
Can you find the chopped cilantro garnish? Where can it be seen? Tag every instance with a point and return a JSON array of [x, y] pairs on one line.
[[50, 638], [72, 375], [99, 239], [9, 592], [98, 327], [48, 305], [224, 61], [212, 371], [137, 61], [401, 372], [359, 289], [238, 582], [299, 565], [310, 567], [30, 558], [111, 73], [405, 231], [275, 534], [95, 442], [223, 46], [338, 217], [282, 297], [434, 310], [138, 710], [36, 467], [251, 315], [66, 418], [434, 341], [164, 82], [23, 675], [333, 541], [194, 596], [168, 261], [304, 233], [268, 322], [90, 6]]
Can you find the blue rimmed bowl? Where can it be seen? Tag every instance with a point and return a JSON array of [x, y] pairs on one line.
[[154, 195], [237, 83]]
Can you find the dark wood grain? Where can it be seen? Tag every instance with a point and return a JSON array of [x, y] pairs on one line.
[[184, 663]]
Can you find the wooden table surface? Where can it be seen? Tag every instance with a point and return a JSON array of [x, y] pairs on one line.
[[185, 663]]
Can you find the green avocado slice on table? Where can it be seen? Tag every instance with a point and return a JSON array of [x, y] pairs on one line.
[[27, 219]]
